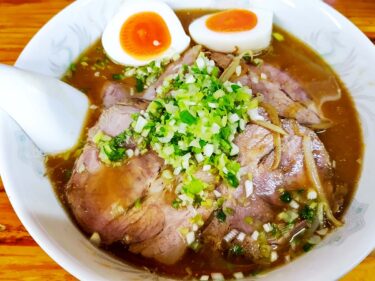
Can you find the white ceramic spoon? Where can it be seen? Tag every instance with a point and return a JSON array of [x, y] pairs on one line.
[[51, 112]]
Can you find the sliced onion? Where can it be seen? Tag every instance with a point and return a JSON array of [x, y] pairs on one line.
[[296, 128], [297, 233], [254, 114], [315, 239], [322, 232], [270, 127], [289, 235], [329, 97], [231, 69], [324, 125], [277, 151], [315, 179], [274, 117]]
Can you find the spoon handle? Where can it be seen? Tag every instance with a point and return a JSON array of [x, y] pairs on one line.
[[50, 111]]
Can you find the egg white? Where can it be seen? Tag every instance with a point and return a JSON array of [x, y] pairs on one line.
[[111, 36], [255, 39]]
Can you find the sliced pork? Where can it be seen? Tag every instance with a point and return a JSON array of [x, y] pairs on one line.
[[114, 120], [188, 58], [276, 87], [291, 173], [282, 92], [101, 197], [256, 152], [130, 202], [116, 92], [169, 245], [221, 60]]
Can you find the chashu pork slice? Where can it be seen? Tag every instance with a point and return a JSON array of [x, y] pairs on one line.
[[256, 152], [276, 87], [117, 92], [281, 91], [130, 202]]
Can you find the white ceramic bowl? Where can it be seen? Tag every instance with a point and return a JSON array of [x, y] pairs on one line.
[[60, 41]]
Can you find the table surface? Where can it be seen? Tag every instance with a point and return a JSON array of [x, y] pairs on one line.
[[20, 257]]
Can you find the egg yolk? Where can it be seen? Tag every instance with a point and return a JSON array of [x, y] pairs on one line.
[[145, 35], [232, 21]]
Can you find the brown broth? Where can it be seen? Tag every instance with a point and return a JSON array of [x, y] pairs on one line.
[[343, 141]]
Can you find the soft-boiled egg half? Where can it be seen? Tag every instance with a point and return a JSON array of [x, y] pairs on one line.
[[234, 30], [143, 31]]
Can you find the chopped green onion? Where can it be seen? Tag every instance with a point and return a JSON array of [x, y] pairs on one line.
[[118, 77], [176, 203], [248, 220], [286, 197], [229, 211], [307, 247], [195, 246], [220, 215], [307, 213], [191, 123], [288, 216], [195, 186], [138, 203], [187, 118], [278, 36], [139, 85], [232, 179], [237, 250], [73, 67]]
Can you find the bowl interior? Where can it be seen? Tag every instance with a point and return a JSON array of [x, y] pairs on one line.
[[341, 44]]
